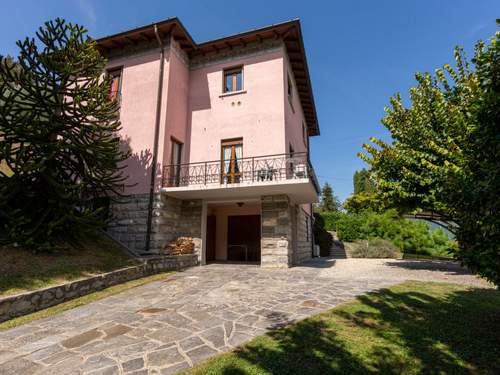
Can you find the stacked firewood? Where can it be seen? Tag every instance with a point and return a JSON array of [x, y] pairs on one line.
[[181, 246]]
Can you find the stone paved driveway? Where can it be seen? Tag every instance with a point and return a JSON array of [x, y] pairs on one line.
[[169, 325]]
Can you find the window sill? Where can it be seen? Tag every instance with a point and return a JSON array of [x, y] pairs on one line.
[[232, 93]]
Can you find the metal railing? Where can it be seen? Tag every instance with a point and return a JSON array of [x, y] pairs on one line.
[[245, 170]]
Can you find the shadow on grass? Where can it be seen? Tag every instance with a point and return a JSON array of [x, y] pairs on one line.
[[449, 266], [413, 328], [22, 270]]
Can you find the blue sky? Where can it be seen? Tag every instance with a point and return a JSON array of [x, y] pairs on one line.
[[359, 52]]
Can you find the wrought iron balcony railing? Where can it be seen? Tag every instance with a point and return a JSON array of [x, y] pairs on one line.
[[245, 170]]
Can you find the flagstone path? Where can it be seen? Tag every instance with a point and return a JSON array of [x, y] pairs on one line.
[[166, 326]]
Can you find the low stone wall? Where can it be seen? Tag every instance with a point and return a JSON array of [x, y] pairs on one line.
[[22, 304]]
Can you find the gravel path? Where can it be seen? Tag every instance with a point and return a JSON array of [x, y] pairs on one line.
[[397, 270]]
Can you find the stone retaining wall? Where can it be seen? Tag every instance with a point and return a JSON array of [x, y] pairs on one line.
[[129, 222], [22, 304], [172, 218]]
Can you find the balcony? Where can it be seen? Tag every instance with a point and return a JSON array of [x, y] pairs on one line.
[[250, 177]]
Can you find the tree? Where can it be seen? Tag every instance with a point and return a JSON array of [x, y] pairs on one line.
[[364, 201], [362, 182], [445, 153], [329, 201], [58, 137]]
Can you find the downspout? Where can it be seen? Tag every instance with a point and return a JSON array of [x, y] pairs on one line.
[[157, 135]]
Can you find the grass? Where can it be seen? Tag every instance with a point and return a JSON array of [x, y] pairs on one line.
[[21, 270], [81, 301], [412, 328]]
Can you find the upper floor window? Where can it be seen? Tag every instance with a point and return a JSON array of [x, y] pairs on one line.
[[304, 132], [231, 155], [175, 162], [116, 83], [233, 79], [289, 87]]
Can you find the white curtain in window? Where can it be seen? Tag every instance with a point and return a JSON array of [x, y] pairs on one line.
[[238, 152], [227, 162]]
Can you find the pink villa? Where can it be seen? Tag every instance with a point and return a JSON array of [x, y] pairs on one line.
[[219, 140]]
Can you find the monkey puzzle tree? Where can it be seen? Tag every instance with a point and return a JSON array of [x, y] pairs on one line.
[[445, 153], [58, 137]]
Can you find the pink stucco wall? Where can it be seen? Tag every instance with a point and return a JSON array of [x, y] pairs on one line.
[[195, 112], [138, 114], [177, 106], [256, 115], [294, 119]]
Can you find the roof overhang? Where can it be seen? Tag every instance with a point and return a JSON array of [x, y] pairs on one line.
[[170, 26], [289, 32]]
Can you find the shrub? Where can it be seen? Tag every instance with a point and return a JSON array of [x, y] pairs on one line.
[[321, 236], [331, 218], [408, 236], [376, 248]]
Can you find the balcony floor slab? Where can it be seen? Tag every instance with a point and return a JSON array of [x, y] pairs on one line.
[[300, 190]]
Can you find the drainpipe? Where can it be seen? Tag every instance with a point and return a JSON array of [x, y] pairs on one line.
[[157, 135]]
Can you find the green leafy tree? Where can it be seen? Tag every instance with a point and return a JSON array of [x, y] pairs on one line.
[[329, 201], [364, 201], [362, 182], [445, 153], [58, 137]]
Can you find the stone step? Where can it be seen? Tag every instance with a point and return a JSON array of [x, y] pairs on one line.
[[338, 252]]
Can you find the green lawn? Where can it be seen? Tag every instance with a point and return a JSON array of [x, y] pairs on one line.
[[412, 328], [22, 270]]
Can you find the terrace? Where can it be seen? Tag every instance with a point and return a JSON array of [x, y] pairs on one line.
[[290, 174]]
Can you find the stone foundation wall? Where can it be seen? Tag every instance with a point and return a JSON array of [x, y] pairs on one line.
[[189, 224], [303, 249], [276, 240], [22, 304], [129, 221], [164, 226], [172, 218]]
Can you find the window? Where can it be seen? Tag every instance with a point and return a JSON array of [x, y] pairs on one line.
[[291, 155], [233, 80], [231, 161], [289, 87], [175, 162], [116, 83], [304, 132]]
